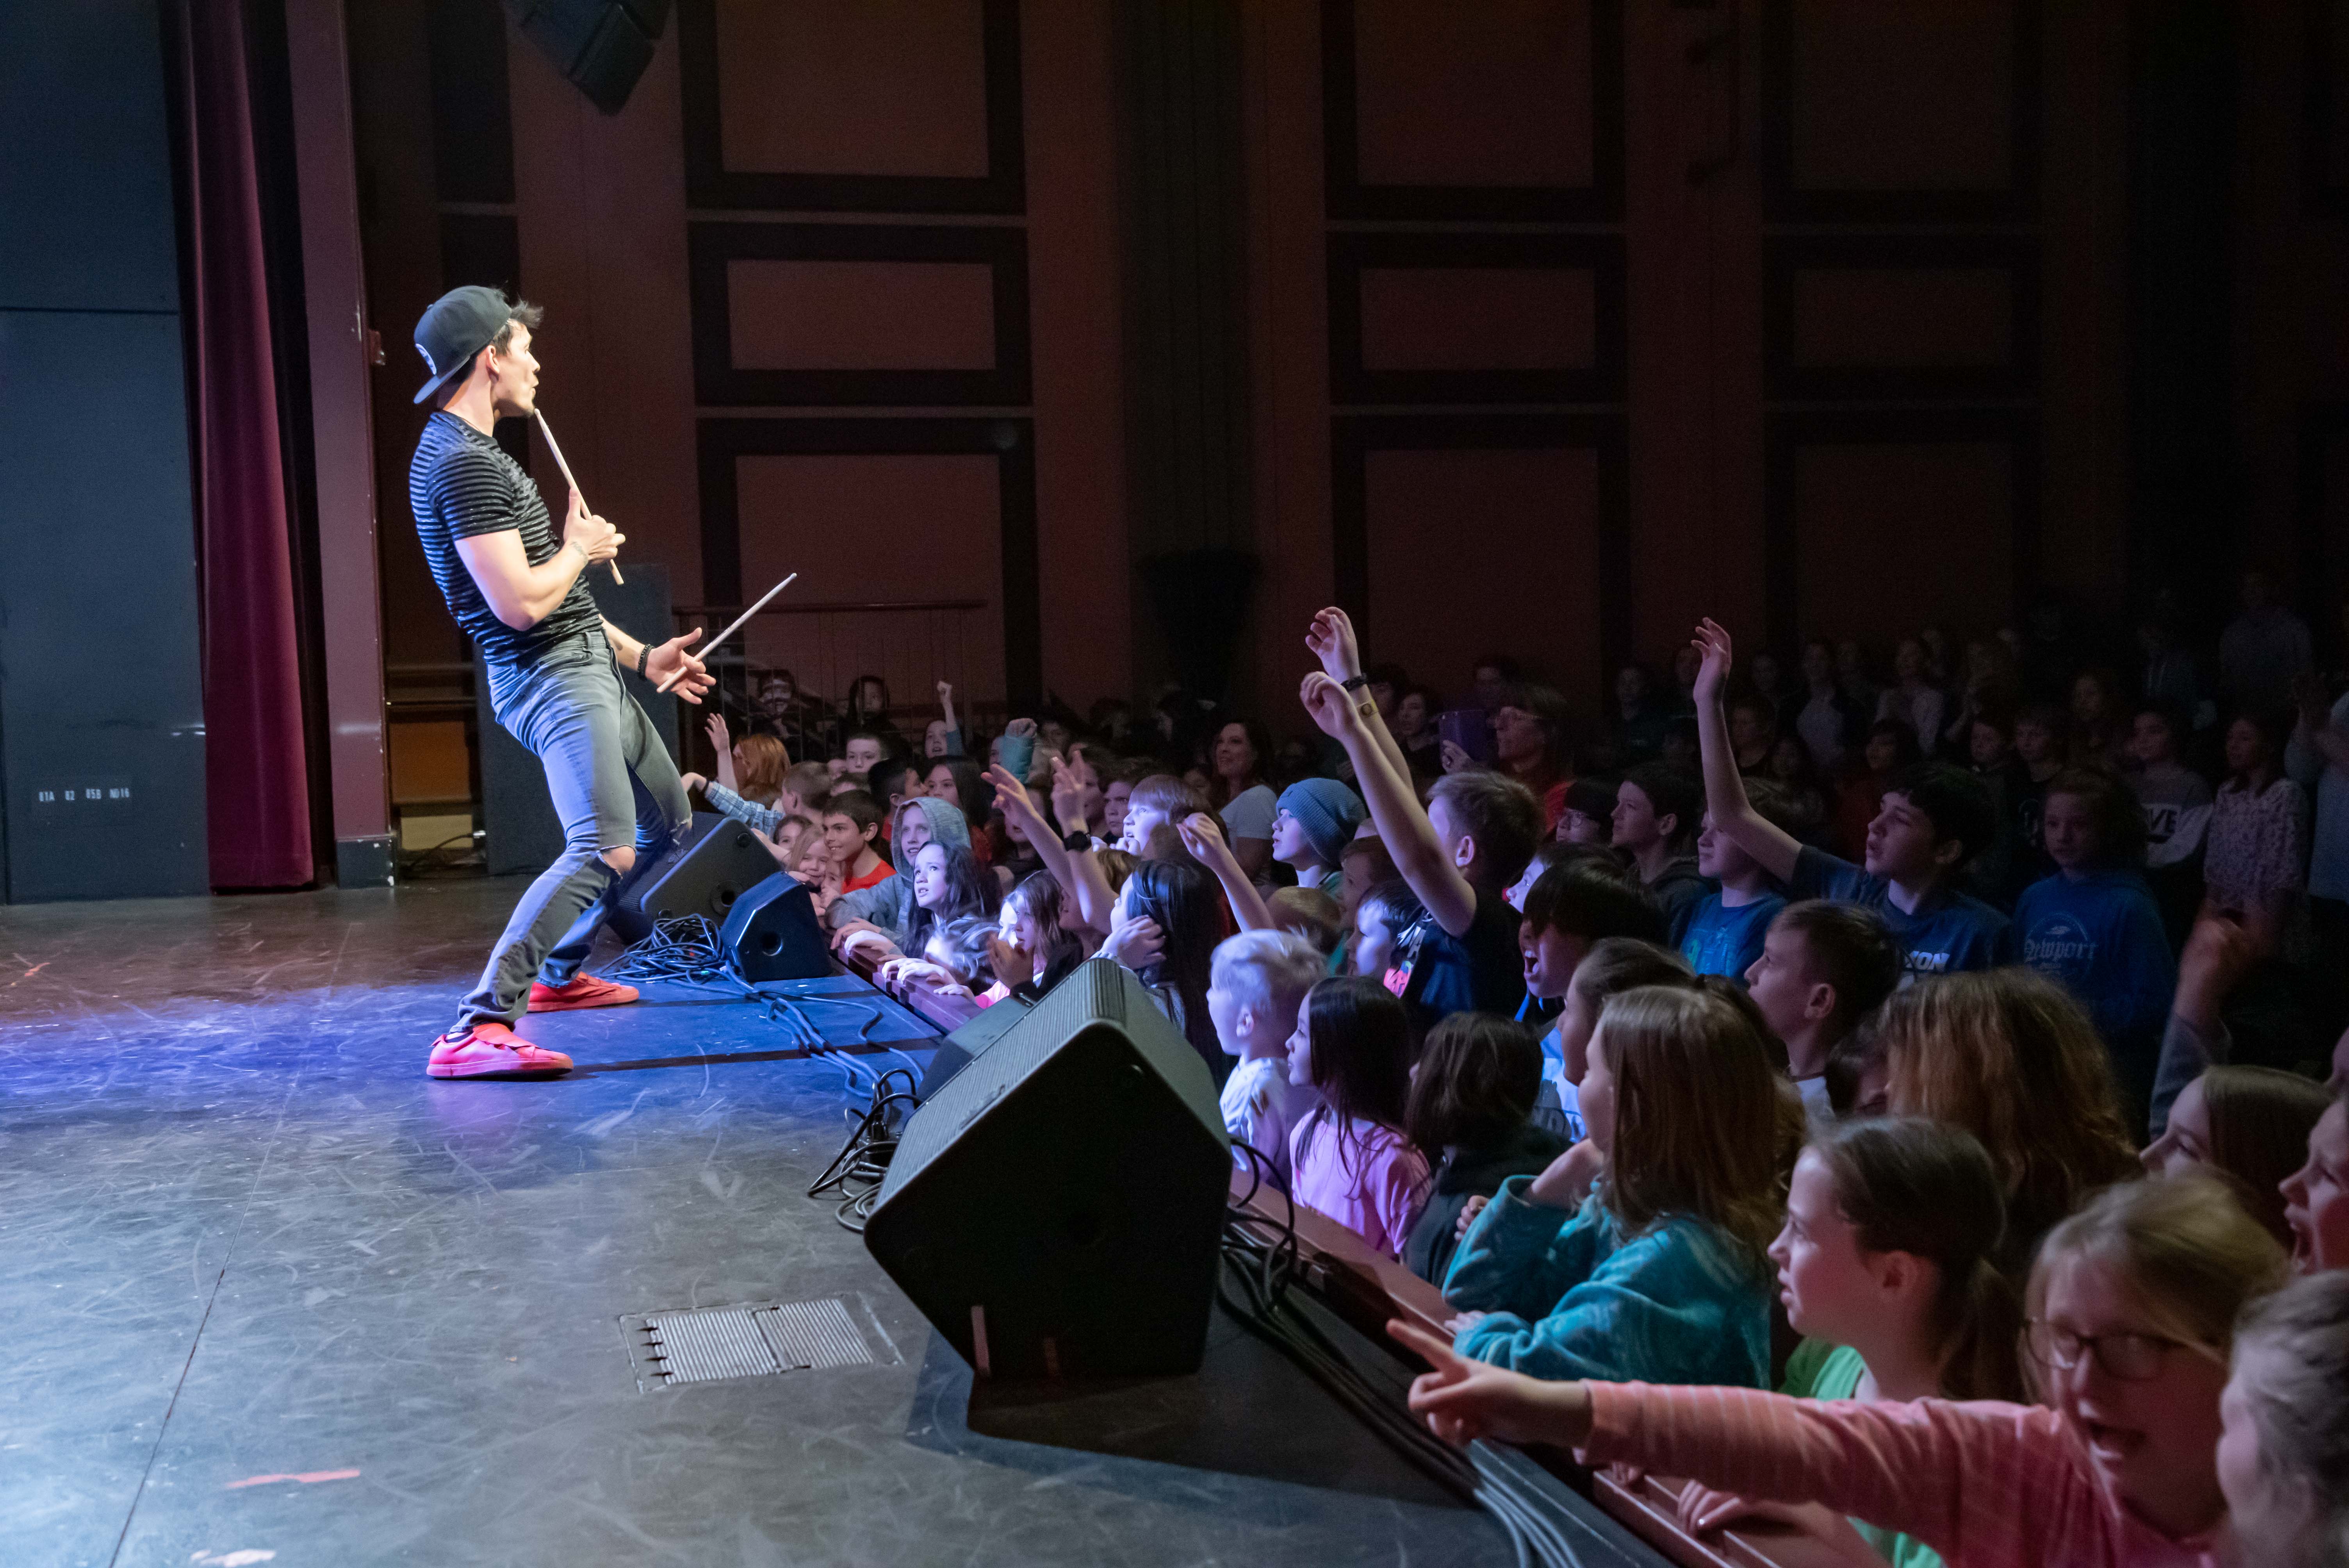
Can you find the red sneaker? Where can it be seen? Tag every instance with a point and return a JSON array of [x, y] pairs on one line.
[[492, 1050], [583, 991]]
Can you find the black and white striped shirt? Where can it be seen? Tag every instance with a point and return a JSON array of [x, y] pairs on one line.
[[461, 484]]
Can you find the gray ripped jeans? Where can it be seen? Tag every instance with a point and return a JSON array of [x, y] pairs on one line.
[[614, 784]]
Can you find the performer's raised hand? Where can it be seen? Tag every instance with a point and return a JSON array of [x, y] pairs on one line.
[[670, 659], [583, 531]]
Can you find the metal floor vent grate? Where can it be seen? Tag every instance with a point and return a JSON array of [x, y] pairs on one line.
[[705, 1345]]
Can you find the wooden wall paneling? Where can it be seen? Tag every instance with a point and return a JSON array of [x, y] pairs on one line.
[[1458, 586], [721, 383], [1490, 26], [1887, 89], [1904, 549], [711, 184], [599, 202], [1916, 321], [1598, 379], [1009, 442], [1075, 277]]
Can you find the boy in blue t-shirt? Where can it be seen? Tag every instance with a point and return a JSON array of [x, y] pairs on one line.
[[1934, 817], [1724, 933], [2095, 927]]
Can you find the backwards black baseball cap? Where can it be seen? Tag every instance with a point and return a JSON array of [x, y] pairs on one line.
[[456, 327]]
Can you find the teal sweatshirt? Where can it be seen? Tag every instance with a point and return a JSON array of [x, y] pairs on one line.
[[1572, 1296]]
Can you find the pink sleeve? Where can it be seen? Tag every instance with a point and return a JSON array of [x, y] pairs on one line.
[[1398, 1191], [1978, 1482]]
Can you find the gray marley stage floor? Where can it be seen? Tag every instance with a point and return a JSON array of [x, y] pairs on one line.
[[281, 1299]]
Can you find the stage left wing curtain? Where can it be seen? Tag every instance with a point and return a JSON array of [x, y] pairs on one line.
[[256, 761]]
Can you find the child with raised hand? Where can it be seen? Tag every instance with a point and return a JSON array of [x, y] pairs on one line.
[[1884, 1267], [1933, 818], [1660, 1274], [1349, 1156], [1723, 934], [1822, 971], [1472, 1100], [2093, 926], [2252, 1124], [2135, 1300], [1459, 855], [2010, 1057], [1259, 981]]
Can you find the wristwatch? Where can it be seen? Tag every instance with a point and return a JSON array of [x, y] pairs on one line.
[[1355, 683], [1077, 840]]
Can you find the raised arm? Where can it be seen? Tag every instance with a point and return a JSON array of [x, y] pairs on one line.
[[1080, 875], [953, 731], [1204, 836], [1395, 811], [1332, 638], [722, 741], [1724, 791]]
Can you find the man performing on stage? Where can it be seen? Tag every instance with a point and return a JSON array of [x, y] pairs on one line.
[[554, 668]]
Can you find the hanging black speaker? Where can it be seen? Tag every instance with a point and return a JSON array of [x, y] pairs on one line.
[[601, 47], [1055, 1207]]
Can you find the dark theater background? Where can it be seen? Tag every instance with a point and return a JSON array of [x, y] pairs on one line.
[[1073, 353]]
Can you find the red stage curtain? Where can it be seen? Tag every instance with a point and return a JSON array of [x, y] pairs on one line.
[[255, 767]]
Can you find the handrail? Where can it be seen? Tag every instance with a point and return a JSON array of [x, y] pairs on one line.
[[1366, 1288], [942, 1012]]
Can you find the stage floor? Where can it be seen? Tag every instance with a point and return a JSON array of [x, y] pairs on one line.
[[281, 1298]]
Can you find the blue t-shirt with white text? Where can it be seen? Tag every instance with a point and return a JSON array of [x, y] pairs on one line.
[[1949, 933]]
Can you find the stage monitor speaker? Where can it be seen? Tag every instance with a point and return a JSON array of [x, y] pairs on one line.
[[772, 933], [1057, 1210], [707, 871], [601, 47], [966, 1044]]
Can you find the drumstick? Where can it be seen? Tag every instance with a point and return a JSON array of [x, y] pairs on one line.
[[711, 646], [548, 431]]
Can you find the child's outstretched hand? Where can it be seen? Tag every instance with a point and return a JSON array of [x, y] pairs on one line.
[[1204, 836], [1712, 676], [720, 736], [1461, 1400], [1332, 639], [1068, 794], [1331, 707], [1011, 793]]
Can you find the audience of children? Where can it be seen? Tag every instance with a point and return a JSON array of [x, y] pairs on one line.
[[1598, 1201]]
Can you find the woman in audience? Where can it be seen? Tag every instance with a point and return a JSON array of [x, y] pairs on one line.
[[1884, 1267], [1350, 1158], [2283, 1454], [2100, 721], [1415, 732], [2093, 926], [2251, 1123], [2316, 1196], [2255, 856], [2136, 1299], [2008, 1056], [1531, 731], [1660, 1274], [1471, 1097], [1239, 794]]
